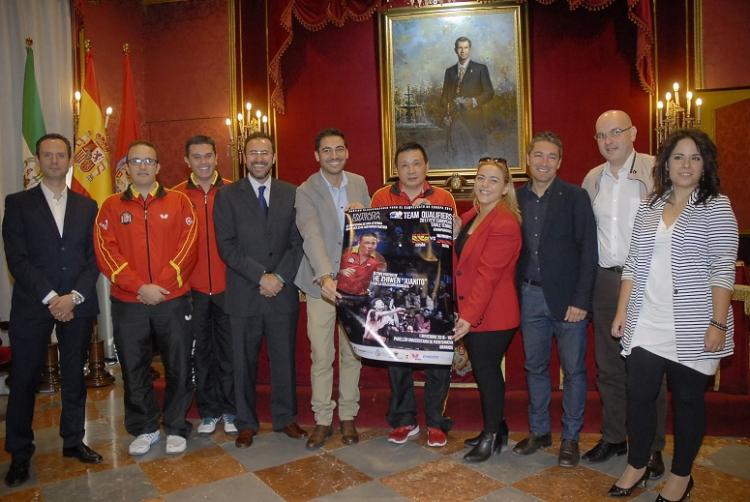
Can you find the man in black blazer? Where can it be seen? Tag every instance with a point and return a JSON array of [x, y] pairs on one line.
[[48, 236], [556, 272], [466, 89], [258, 240]]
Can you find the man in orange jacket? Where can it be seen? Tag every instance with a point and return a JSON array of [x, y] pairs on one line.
[[145, 243], [212, 358]]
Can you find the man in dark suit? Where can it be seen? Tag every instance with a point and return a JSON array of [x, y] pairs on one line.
[[47, 232], [556, 271], [466, 89], [257, 237]]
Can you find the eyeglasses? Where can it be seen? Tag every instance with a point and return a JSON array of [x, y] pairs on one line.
[[614, 133], [148, 162]]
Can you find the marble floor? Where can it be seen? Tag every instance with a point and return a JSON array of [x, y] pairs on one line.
[[278, 468]]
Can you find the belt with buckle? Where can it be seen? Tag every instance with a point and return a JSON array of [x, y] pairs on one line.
[[617, 269], [532, 283]]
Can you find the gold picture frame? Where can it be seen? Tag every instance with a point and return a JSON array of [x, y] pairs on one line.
[[418, 68]]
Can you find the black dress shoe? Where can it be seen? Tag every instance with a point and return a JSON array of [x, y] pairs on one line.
[[532, 443], [569, 454], [489, 445], [473, 441], [655, 466], [604, 451], [685, 495], [83, 453], [18, 473], [619, 492]]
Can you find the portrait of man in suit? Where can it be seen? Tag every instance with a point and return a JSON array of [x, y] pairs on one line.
[[48, 237], [258, 240], [466, 89]]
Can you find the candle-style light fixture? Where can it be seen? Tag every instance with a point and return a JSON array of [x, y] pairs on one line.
[[245, 124], [671, 115]]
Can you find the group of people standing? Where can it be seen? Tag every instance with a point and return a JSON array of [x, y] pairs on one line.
[[646, 248], [220, 264]]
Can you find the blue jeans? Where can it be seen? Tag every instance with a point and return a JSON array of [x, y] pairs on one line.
[[538, 327]]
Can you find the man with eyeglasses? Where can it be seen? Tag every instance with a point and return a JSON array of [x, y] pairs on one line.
[[212, 356], [321, 203], [412, 189], [555, 272], [616, 188], [145, 242], [259, 242]]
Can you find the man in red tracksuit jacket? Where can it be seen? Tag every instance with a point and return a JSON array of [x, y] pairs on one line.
[[212, 358], [145, 243]]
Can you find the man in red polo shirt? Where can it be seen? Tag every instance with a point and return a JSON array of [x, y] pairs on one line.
[[412, 189]]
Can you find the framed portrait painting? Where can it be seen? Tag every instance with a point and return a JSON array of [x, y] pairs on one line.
[[454, 78]]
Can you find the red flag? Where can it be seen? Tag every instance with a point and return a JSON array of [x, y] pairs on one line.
[[129, 130]]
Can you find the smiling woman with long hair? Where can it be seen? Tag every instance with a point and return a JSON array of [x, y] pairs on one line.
[[487, 250], [673, 312]]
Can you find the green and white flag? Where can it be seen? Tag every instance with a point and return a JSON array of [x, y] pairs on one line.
[[33, 121]]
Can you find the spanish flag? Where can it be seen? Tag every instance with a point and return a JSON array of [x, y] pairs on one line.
[[92, 175]]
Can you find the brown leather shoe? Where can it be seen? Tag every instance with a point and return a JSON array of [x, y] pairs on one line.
[[245, 439], [319, 436], [294, 431], [349, 434]]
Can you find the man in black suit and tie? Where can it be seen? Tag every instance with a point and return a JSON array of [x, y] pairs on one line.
[[258, 240], [47, 232], [466, 89]]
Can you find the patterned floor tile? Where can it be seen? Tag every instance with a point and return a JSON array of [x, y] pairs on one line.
[[268, 450], [243, 487], [443, 479], [378, 457], [125, 483], [560, 484], [311, 477], [194, 468], [373, 490]]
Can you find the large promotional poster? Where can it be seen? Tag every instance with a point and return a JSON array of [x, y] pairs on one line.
[[396, 284]]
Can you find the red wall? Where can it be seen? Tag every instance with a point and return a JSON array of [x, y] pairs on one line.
[[180, 60], [726, 40], [582, 64]]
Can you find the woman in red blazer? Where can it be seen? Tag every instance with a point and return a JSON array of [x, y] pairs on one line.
[[487, 250]]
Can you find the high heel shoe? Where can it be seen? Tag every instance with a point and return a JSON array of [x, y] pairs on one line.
[[489, 444], [685, 495], [618, 492], [473, 441]]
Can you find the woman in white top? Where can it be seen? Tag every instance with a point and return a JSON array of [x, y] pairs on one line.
[[673, 313]]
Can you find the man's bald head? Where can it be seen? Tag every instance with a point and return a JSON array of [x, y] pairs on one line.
[[615, 134]]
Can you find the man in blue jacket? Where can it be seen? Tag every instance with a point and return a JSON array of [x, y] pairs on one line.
[[556, 273]]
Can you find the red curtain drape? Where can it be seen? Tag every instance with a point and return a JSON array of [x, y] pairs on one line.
[[314, 15]]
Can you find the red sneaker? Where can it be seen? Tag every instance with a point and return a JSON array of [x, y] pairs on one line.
[[400, 435], [436, 437]]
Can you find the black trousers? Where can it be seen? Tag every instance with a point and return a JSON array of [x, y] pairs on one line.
[[611, 376], [402, 409], [212, 358], [133, 325], [280, 331], [645, 374], [29, 339], [486, 352]]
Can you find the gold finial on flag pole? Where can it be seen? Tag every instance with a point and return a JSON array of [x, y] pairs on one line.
[[125, 48], [87, 45], [29, 42]]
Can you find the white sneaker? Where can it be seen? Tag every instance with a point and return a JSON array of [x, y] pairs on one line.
[[176, 444], [208, 426], [229, 427], [142, 444]]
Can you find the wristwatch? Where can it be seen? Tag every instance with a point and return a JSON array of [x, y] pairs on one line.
[[76, 297]]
